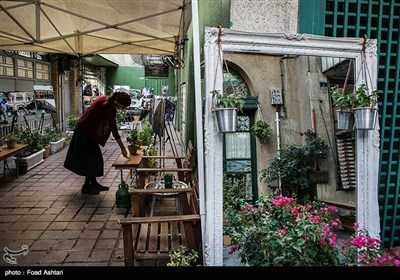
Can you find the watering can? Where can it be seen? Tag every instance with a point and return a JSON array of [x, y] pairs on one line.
[[122, 197]]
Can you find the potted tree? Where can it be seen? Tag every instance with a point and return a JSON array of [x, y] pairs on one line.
[[133, 141], [344, 102], [226, 107], [366, 113]]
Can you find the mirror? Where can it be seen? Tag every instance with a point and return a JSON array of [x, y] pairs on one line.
[[289, 62]]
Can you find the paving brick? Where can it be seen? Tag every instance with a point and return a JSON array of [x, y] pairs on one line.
[[105, 243], [43, 245], [56, 257], [109, 234], [63, 244], [90, 234], [58, 225], [84, 244], [70, 234], [100, 256], [51, 234], [30, 234], [78, 256], [39, 225]]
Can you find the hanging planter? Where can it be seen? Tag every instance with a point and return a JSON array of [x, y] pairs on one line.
[[366, 118], [366, 113], [226, 106], [226, 119], [345, 120], [344, 101]]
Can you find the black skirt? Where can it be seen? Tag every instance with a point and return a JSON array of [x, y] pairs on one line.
[[84, 156]]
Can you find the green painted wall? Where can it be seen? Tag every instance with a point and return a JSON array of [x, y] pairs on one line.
[[125, 75], [211, 14]]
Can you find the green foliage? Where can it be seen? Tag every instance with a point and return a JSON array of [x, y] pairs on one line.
[[133, 137], [365, 98], [362, 250], [262, 130], [294, 165], [12, 136], [53, 134], [120, 117], [72, 121], [180, 258], [234, 191], [277, 231], [146, 134], [342, 100], [33, 138], [232, 100], [152, 151]]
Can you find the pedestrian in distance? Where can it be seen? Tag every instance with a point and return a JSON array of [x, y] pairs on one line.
[[84, 156]]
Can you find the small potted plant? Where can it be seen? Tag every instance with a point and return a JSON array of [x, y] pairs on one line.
[[226, 107], [262, 130], [343, 101], [11, 140], [133, 141], [366, 112]]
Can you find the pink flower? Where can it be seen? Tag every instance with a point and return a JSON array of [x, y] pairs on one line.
[[233, 249]]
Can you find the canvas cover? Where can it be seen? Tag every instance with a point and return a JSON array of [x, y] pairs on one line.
[[93, 26]]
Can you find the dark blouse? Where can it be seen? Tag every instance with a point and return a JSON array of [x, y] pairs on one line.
[[98, 121]]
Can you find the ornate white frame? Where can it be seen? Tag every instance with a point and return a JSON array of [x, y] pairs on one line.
[[367, 142]]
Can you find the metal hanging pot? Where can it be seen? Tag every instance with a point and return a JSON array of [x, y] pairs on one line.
[[345, 120], [366, 118], [226, 119]]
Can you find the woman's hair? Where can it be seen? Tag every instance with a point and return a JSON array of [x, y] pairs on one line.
[[122, 97]]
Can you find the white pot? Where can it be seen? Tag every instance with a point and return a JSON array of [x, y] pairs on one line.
[[34, 159], [57, 146]]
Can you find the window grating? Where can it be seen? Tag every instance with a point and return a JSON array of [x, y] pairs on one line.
[[378, 19]]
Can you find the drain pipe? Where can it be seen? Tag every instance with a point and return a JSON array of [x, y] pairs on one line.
[[278, 142]]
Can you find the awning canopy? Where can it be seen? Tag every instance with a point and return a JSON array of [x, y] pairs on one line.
[[93, 26]]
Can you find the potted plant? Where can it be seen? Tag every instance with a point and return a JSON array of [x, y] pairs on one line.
[[136, 114], [56, 139], [11, 140], [226, 107], [343, 101], [33, 155], [366, 113], [72, 122], [133, 140], [262, 130]]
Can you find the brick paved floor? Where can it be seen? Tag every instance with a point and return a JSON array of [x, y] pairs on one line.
[[45, 210]]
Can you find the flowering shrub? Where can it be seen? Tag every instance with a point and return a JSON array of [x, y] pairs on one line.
[[277, 231], [361, 249]]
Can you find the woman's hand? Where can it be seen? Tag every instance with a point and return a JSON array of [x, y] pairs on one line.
[[124, 152]]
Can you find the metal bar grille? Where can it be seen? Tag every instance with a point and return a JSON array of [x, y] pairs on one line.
[[378, 19]]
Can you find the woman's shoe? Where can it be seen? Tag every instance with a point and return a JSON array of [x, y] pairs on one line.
[[88, 189], [99, 187]]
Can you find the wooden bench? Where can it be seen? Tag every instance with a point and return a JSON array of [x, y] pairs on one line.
[[154, 238]]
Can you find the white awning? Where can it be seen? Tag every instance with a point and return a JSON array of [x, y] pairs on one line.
[[93, 26]]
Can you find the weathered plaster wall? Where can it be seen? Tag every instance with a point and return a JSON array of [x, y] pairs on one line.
[[265, 16]]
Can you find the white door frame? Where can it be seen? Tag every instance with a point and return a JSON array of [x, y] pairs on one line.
[[367, 142]]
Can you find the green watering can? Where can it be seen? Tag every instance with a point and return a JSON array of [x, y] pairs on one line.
[[122, 197]]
